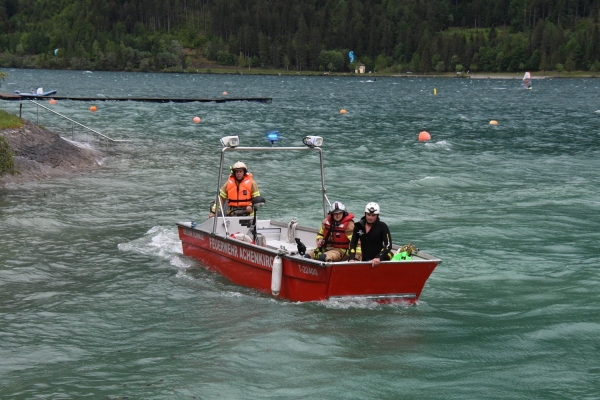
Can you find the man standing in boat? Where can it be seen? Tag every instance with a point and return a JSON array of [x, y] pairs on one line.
[[238, 191], [374, 235], [335, 235]]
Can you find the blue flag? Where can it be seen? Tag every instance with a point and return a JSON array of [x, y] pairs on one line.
[[351, 55]]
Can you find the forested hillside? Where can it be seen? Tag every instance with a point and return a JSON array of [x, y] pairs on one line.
[[385, 35]]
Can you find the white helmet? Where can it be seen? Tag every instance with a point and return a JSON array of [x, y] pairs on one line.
[[239, 165], [372, 208], [337, 207]]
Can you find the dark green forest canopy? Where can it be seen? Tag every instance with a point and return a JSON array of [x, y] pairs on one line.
[[385, 35]]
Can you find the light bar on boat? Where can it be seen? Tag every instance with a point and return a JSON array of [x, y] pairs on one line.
[[273, 136], [230, 141], [313, 141]]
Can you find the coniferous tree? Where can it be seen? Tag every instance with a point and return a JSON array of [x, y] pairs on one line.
[[121, 35]]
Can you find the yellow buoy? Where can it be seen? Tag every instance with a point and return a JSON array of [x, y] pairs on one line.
[[434, 91], [342, 111], [493, 122]]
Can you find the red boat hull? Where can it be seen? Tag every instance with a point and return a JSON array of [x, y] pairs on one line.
[[251, 266]]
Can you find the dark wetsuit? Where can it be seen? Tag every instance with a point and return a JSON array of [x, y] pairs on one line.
[[375, 244]]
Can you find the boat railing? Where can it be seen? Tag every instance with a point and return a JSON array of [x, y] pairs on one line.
[[222, 211], [265, 149], [73, 123]]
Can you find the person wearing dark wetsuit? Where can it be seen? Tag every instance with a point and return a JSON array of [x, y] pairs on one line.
[[374, 235]]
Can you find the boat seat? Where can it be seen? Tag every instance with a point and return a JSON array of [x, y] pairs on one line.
[[270, 233]]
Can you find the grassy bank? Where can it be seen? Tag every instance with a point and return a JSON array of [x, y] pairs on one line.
[[8, 120], [7, 156]]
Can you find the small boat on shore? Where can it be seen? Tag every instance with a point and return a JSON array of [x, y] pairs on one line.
[[267, 255]]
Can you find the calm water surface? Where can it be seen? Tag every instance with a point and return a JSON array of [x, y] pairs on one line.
[[96, 299]]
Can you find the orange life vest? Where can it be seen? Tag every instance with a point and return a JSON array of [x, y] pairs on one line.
[[239, 195], [338, 233]]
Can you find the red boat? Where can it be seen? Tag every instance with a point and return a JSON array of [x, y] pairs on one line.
[[267, 255]]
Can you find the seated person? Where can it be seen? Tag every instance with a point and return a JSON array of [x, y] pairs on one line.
[[334, 236], [374, 235], [238, 191]]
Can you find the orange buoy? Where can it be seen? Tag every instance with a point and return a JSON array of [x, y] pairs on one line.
[[342, 111], [224, 93], [493, 122], [52, 101], [93, 108], [197, 120], [424, 136]]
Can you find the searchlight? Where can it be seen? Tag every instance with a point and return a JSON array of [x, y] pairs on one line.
[[313, 141], [230, 141]]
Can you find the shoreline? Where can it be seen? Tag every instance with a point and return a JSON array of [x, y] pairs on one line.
[[536, 75], [42, 154], [483, 76], [223, 70], [492, 75]]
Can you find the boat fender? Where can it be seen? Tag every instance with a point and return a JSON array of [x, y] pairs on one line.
[[276, 276]]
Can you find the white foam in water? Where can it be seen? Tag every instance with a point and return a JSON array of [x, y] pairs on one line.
[[78, 144], [360, 302], [442, 143], [232, 294], [160, 241], [182, 274]]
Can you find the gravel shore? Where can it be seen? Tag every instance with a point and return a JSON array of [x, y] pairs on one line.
[[41, 154]]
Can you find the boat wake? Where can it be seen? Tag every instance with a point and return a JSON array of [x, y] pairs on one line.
[[360, 303], [162, 242]]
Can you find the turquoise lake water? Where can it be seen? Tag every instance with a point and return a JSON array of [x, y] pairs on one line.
[[97, 300]]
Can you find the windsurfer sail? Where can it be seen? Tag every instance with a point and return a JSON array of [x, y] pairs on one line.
[[527, 80]]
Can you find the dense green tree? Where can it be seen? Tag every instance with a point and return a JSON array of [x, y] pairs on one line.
[[493, 35]]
